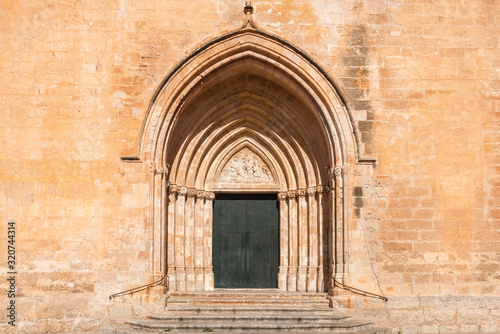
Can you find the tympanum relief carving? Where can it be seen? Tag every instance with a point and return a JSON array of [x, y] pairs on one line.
[[243, 167], [246, 169]]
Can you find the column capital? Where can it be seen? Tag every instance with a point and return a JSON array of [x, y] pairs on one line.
[[183, 191], [158, 168], [173, 189], [311, 191], [191, 192]]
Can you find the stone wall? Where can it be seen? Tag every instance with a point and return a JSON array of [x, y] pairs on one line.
[[422, 81]]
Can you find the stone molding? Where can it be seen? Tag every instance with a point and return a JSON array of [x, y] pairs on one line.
[[210, 195], [190, 192], [301, 192]]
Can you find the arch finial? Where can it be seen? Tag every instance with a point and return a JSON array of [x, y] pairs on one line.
[[248, 9]]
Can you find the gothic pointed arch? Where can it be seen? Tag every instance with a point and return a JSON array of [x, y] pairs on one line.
[[249, 112]]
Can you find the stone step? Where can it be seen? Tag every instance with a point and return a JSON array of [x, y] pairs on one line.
[[129, 330], [247, 311], [245, 293], [248, 301], [252, 317], [254, 326], [239, 309], [246, 297]]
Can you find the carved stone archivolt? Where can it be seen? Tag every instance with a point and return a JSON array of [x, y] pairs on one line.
[[240, 140]]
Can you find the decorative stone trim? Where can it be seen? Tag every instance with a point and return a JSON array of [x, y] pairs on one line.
[[191, 192], [311, 191], [182, 191], [173, 189], [336, 171], [158, 168], [339, 170]]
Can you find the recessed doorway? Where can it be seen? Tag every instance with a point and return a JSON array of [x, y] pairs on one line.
[[245, 240]]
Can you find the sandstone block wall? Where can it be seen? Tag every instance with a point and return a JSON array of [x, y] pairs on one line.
[[422, 79]]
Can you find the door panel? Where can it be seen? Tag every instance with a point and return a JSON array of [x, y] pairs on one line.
[[231, 246], [246, 241]]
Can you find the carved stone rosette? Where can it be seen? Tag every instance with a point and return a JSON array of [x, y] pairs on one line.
[[339, 170]]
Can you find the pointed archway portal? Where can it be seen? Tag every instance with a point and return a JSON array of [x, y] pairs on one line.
[[249, 113]]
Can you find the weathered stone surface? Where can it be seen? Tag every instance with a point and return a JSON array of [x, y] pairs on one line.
[[420, 79]]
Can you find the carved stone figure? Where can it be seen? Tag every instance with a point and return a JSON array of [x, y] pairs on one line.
[[246, 166]]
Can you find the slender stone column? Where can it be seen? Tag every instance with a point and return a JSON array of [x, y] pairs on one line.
[[207, 241], [339, 228], [322, 245], [303, 247], [198, 240], [292, 241], [284, 253], [180, 239], [189, 239], [157, 233], [172, 199], [154, 232], [345, 250], [312, 235]]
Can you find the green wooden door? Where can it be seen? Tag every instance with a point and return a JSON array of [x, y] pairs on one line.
[[245, 240]]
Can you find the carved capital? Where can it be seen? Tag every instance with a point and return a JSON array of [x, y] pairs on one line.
[[210, 195], [191, 192], [301, 192], [320, 189], [200, 194], [173, 189], [158, 168], [311, 191], [182, 191], [282, 195], [292, 193]]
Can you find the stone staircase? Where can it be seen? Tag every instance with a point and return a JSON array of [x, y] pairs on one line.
[[247, 311]]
